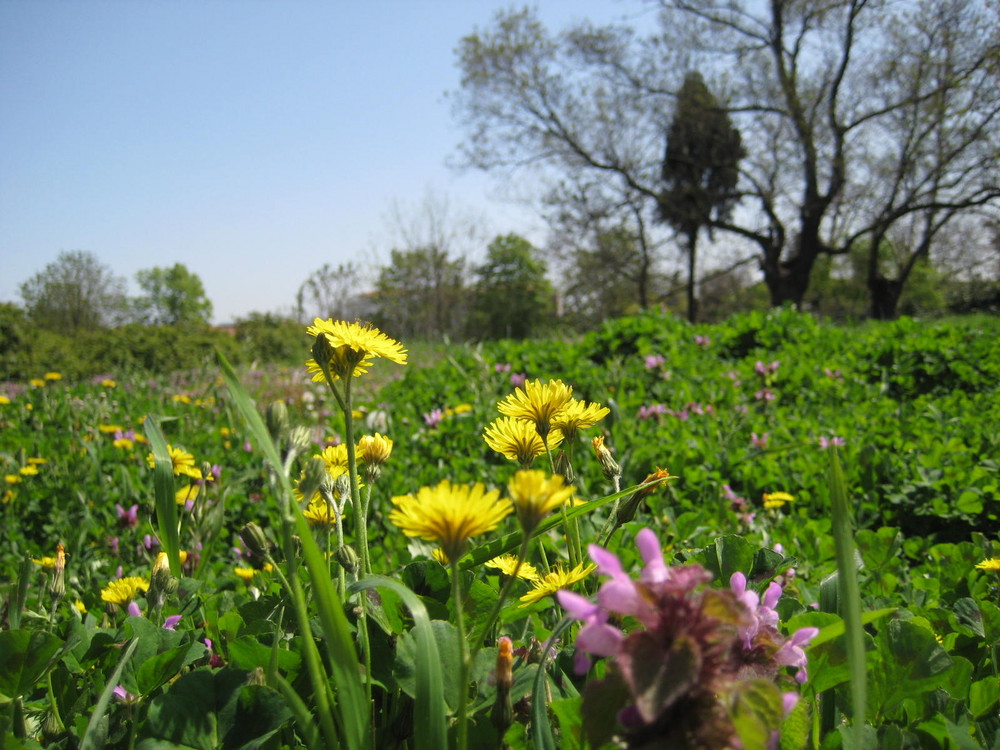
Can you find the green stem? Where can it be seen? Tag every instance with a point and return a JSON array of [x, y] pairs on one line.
[[463, 659], [477, 642]]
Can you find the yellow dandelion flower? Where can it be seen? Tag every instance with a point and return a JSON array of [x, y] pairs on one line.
[[533, 495], [373, 449], [37, 382], [189, 492], [518, 440], [246, 574], [449, 514], [109, 429], [80, 606], [124, 590], [319, 512], [506, 564], [579, 415], [162, 563], [12, 478], [335, 458], [46, 563], [28, 471], [108, 383], [439, 555], [53, 376], [462, 409], [36, 461], [225, 431], [4, 399], [557, 579], [124, 444], [183, 462], [776, 499], [537, 402], [353, 346], [8, 496], [992, 564]]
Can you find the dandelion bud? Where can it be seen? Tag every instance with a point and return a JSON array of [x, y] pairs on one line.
[[256, 677], [276, 419], [612, 471], [564, 467], [323, 352], [502, 714], [312, 478], [348, 558], [57, 584], [255, 541], [299, 440], [649, 485]]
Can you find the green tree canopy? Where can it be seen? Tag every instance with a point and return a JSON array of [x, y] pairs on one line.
[[421, 292], [74, 292], [700, 170], [173, 296], [512, 298]]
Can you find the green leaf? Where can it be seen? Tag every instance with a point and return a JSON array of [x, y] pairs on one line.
[[567, 713], [207, 709], [248, 653], [983, 697], [25, 656], [165, 499], [755, 710], [728, 555], [156, 671], [430, 671]]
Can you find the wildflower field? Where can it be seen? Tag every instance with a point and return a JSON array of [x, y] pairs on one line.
[[768, 533]]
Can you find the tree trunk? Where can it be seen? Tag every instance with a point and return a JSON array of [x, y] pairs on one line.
[[692, 300], [885, 294]]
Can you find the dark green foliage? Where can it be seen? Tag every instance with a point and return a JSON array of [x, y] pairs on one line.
[[511, 298], [173, 296], [73, 293]]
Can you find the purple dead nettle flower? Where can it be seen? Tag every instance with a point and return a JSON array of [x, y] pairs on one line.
[[433, 418], [655, 361], [501, 367], [765, 395], [832, 374], [653, 410], [738, 503], [517, 379], [710, 638], [703, 341], [123, 695], [128, 519], [170, 623], [133, 610], [759, 442], [825, 443]]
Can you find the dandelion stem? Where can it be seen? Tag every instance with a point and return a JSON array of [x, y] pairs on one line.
[[463, 659]]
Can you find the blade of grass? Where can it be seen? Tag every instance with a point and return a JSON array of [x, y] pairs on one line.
[[90, 739], [430, 710], [848, 593], [163, 489], [305, 721], [541, 729], [352, 706]]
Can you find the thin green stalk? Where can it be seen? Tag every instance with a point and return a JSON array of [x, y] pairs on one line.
[[463, 659], [504, 590], [572, 539], [848, 593]]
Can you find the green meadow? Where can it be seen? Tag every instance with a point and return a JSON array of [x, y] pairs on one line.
[[244, 557]]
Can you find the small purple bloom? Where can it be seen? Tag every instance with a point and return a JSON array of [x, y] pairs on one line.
[[128, 519], [654, 361], [702, 341], [765, 395], [171, 622], [825, 443], [433, 418], [501, 367], [133, 610], [517, 379], [123, 695], [759, 442]]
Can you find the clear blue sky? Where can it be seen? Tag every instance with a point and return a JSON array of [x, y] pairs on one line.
[[252, 141]]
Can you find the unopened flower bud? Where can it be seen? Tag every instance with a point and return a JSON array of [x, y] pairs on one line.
[[255, 541], [312, 478], [299, 440], [348, 558], [649, 485], [276, 419], [612, 471], [564, 467], [57, 583], [502, 714]]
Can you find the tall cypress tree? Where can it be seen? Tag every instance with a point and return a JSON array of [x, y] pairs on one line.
[[700, 169]]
